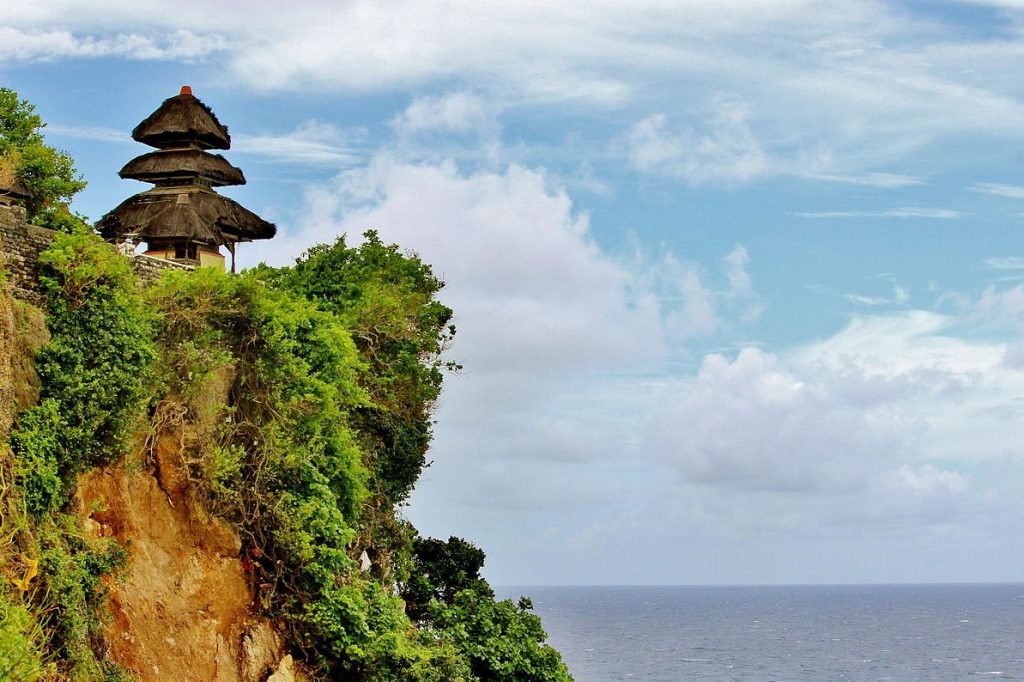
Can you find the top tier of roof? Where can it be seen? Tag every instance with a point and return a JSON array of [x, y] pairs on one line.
[[182, 121]]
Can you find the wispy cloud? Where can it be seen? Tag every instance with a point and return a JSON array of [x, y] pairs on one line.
[[47, 45], [314, 143], [1005, 262], [838, 91], [867, 300], [905, 212], [883, 180], [1012, 191], [721, 148], [95, 133], [899, 296]]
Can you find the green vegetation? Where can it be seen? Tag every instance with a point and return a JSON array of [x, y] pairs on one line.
[[94, 371], [94, 374], [49, 174], [302, 400]]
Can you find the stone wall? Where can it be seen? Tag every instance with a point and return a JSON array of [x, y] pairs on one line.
[[21, 244]]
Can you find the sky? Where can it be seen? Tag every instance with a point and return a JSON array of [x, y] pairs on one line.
[[739, 285]]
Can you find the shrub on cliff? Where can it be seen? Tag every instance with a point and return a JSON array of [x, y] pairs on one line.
[[299, 479], [387, 301], [94, 383], [94, 371]]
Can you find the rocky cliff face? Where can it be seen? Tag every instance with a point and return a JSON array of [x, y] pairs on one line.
[[182, 608]]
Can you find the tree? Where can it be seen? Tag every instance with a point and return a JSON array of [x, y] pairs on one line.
[[49, 173], [503, 640], [440, 571]]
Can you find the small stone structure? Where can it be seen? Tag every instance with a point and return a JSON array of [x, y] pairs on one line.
[[21, 244]]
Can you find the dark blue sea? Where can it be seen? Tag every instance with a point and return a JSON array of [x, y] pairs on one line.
[[849, 632]]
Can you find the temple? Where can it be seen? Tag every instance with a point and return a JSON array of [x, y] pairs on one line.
[[182, 218]]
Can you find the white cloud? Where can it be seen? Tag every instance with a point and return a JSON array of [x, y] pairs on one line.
[[455, 112], [45, 45], [867, 300], [556, 334], [314, 143], [568, 350], [531, 286], [572, 409], [97, 133], [904, 212], [900, 296], [752, 424], [838, 88], [883, 180], [724, 148], [1005, 262], [1012, 191], [928, 480]]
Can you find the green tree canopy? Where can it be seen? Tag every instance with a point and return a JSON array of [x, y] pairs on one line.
[[440, 571], [49, 173]]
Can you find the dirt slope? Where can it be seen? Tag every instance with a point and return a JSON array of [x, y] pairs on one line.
[[182, 608]]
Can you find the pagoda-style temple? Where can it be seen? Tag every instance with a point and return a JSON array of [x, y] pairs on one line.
[[182, 218]]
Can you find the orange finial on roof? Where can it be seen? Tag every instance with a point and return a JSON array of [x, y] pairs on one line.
[[186, 90]]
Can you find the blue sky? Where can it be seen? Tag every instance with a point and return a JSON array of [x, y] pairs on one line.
[[739, 285]]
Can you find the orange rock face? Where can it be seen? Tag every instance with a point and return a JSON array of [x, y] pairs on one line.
[[182, 609]]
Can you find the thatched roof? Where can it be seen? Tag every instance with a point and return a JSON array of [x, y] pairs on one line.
[[183, 165], [184, 213], [11, 184], [182, 120]]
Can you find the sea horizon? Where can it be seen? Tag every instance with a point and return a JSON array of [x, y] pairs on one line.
[[505, 586], [853, 631]]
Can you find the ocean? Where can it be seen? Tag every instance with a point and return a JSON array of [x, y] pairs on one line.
[[848, 632]]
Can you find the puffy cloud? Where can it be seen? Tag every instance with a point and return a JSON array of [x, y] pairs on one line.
[[531, 287], [752, 424], [556, 334], [455, 112], [575, 423]]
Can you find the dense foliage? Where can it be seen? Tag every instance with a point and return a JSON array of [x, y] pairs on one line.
[[94, 371], [502, 640], [49, 174], [440, 571], [94, 376], [385, 298]]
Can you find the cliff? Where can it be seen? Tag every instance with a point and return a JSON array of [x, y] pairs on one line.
[[181, 608], [204, 473]]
